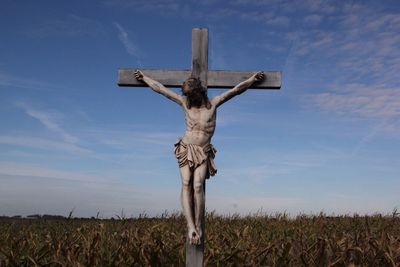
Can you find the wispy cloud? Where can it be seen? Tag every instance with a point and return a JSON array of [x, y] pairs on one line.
[[381, 106], [43, 144], [87, 193], [278, 21], [268, 17], [265, 167], [289, 6], [23, 169], [361, 45], [147, 5], [127, 139], [129, 45], [46, 119], [369, 136], [360, 59], [8, 80], [311, 6], [313, 19], [360, 100]]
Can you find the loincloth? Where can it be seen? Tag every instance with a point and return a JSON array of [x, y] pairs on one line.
[[194, 156]]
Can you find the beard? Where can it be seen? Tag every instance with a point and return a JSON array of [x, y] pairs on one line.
[[196, 98]]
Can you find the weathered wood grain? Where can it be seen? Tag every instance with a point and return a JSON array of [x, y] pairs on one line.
[[200, 54], [195, 254], [216, 78]]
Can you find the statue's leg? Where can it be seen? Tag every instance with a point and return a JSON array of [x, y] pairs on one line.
[[187, 202], [199, 202]]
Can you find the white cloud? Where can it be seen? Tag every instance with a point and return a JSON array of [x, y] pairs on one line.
[[127, 139], [43, 144], [313, 6], [48, 121], [360, 59], [58, 192], [381, 106], [50, 191], [387, 22], [264, 167], [129, 45], [7, 80], [278, 20], [392, 128], [147, 5], [313, 42], [254, 2], [369, 44], [288, 6], [360, 100], [23, 169], [361, 44], [268, 17], [313, 19]]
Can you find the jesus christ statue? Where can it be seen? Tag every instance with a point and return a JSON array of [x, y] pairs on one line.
[[194, 151]]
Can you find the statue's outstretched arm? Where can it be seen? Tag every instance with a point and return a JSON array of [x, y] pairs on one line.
[[158, 87], [238, 89]]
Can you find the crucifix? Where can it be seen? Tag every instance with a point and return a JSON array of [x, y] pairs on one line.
[[194, 151]]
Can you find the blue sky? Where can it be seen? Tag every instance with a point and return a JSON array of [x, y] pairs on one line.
[[70, 138]]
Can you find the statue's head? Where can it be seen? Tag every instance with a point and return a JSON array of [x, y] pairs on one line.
[[196, 93]]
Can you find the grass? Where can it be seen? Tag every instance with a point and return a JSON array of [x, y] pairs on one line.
[[258, 240]]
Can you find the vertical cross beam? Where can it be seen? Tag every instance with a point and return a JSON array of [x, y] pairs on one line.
[[200, 54], [195, 253]]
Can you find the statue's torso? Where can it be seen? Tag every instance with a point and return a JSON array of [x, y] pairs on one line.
[[200, 124]]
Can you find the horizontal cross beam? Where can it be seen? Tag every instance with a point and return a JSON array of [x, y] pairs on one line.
[[215, 78]]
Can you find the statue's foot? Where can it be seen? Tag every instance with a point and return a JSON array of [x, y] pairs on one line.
[[194, 237]]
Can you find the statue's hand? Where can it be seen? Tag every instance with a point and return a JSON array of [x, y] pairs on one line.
[[138, 75], [259, 76]]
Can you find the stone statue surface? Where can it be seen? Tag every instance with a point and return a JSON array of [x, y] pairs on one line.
[[194, 150]]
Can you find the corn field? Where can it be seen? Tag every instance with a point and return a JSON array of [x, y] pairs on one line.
[[258, 240]]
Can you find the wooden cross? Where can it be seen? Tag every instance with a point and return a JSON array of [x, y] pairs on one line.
[[209, 79]]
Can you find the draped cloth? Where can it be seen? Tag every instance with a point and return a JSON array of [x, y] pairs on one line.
[[194, 156]]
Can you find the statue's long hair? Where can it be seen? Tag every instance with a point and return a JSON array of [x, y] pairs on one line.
[[198, 95]]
